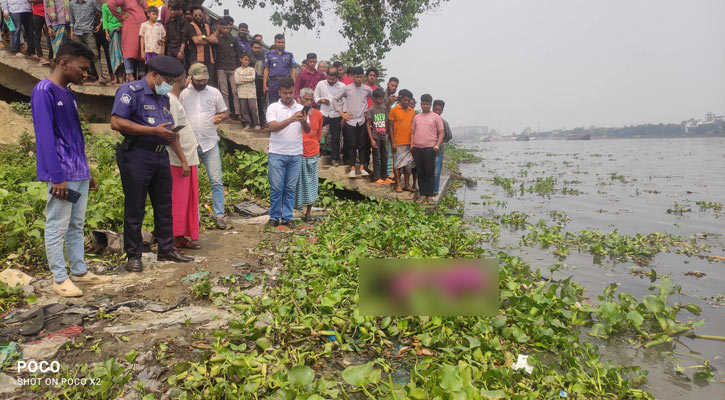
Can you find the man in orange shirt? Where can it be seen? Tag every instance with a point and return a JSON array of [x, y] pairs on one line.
[[401, 126], [309, 177]]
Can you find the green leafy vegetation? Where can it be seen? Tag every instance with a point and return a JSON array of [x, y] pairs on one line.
[[315, 323], [678, 209], [456, 155], [639, 248], [710, 205]]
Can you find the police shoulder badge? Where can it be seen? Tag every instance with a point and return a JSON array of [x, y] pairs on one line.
[[126, 98]]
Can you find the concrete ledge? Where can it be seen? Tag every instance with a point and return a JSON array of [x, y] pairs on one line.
[[259, 141], [22, 74]]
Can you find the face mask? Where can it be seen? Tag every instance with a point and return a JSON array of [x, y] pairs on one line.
[[198, 87], [163, 89]]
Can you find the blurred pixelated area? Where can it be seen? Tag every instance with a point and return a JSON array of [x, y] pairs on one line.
[[434, 287]]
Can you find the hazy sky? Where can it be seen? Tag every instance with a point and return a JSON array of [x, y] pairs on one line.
[[510, 64]]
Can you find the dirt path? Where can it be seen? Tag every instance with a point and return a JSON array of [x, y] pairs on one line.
[[233, 260], [13, 124]]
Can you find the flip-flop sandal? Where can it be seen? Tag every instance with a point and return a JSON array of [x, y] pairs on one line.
[[188, 244], [409, 190], [398, 190]]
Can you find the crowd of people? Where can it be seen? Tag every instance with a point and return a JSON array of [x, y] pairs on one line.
[[190, 80]]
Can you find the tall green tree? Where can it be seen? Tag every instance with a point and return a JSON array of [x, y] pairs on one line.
[[371, 27]]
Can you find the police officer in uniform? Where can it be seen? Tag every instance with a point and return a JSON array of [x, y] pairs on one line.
[[141, 112], [278, 64]]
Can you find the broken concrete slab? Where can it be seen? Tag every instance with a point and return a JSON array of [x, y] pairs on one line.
[[13, 277], [148, 320]]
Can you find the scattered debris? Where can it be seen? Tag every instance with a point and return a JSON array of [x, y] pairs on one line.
[[696, 274], [147, 321], [8, 352], [113, 241], [7, 383], [250, 209], [523, 363], [195, 277], [48, 346]]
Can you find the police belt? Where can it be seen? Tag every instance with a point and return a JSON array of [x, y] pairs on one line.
[[276, 78], [156, 148]]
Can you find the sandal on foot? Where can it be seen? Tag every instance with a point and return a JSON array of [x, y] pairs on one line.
[[185, 243]]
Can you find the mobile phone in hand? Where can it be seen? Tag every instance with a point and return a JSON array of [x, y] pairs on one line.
[[306, 109], [178, 128], [73, 196]]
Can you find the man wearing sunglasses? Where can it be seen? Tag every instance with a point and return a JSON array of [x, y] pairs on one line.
[[141, 112]]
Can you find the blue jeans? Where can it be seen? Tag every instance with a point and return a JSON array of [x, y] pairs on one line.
[[284, 172], [64, 219], [439, 167], [213, 162]]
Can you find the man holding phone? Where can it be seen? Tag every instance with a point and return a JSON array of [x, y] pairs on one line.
[[287, 119], [61, 161], [142, 113]]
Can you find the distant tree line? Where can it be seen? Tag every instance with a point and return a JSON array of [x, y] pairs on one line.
[[715, 129]]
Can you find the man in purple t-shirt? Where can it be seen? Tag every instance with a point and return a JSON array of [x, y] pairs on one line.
[[426, 139], [61, 161]]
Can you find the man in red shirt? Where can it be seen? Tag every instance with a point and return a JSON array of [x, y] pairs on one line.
[[308, 77]]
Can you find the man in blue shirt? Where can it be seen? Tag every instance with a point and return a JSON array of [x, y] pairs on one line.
[[278, 64], [61, 161], [141, 112], [243, 38]]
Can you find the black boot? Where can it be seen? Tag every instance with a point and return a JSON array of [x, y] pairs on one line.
[[174, 256]]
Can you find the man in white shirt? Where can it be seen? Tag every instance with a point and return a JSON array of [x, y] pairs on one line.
[[325, 92], [286, 121], [205, 109], [355, 132]]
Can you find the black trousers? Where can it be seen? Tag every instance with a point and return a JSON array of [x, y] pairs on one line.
[[102, 43], [355, 138], [40, 30], [335, 131], [261, 102], [425, 164], [145, 172], [380, 159]]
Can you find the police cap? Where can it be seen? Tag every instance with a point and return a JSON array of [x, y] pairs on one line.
[[167, 66]]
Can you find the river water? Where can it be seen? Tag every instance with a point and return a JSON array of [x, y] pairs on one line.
[[627, 185]]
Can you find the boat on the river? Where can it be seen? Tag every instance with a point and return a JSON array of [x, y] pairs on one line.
[[585, 137]]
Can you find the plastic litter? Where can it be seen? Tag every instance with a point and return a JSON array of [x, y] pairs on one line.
[[239, 265], [49, 345], [195, 277], [523, 363], [8, 352], [250, 209], [563, 394]]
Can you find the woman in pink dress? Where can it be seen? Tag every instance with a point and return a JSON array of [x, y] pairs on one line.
[[132, 15]]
